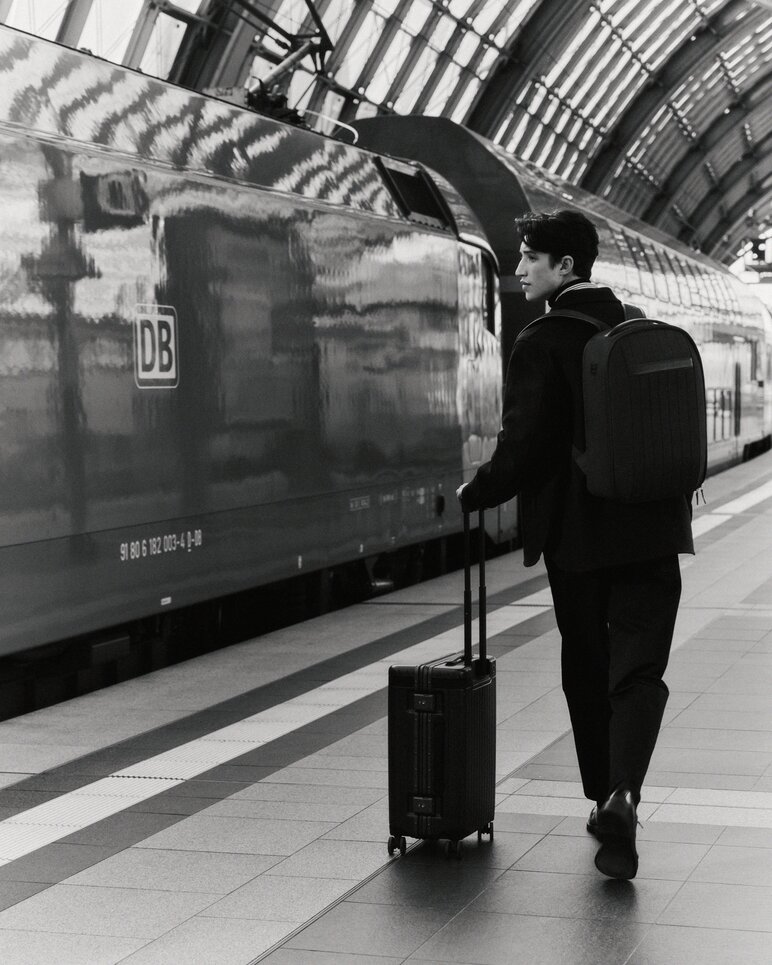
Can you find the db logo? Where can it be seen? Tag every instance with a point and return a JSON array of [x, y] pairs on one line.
[[155, 347]]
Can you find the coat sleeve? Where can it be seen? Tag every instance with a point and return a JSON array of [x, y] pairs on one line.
[[527, 445]]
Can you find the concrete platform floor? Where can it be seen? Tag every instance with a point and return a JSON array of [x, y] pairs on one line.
[[233, 809]]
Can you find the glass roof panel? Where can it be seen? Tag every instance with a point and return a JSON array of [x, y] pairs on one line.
[[517, 134], [620, 10], [391, 60], [467, 48], [542, 155], [444, 88], [386, 7], [656, 42], [40, 17], [300, 88], [336, 17], [443, 31], [359, 52], [516, 18], [107, 35], [416, 82], [465, 100], [460, 8], [557, 73], [487, 14], [415, 17], [165, 40], [593, 71], [291, 14], [489, 55]]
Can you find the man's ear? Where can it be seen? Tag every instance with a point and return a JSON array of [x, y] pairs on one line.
[[566, 264]]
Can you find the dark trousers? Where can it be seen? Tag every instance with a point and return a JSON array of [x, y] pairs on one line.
[[616, 626]]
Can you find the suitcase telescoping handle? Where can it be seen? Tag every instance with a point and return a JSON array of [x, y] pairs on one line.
[[468, 590]]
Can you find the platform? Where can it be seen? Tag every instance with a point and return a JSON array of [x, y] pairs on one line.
[[232, 809]]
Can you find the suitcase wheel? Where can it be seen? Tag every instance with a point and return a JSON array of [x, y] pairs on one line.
[[454, 849], [488, 829], [393, 844]]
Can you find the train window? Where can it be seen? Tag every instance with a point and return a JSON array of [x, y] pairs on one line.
[[755, 361], [722, 289], [609, 263], [644, 269], [632, 275], [669, 274], [710, 296], [720, 409], [488, 296], [682, 277], [695, 288], [732, 288], [415, 194], [657, 271]]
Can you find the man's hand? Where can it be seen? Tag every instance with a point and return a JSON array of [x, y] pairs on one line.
[[460, 490]]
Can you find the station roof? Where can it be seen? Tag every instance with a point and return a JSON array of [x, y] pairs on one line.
[[663, 107]]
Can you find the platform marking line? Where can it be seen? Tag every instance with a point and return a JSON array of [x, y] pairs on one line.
[[70, 812], [705, 522], [749, 499]]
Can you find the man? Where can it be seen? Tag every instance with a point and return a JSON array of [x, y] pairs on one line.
[[613, 567]]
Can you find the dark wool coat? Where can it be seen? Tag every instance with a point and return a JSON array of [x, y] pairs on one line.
[[543, 416]]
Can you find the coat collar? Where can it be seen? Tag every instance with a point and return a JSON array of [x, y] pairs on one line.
[[578, 284]]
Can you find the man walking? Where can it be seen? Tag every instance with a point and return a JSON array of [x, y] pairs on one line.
[[613, 567]]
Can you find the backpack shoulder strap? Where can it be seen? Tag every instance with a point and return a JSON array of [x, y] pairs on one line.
[[566, 313], [633, 311]]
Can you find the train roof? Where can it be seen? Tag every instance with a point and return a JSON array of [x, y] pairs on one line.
[[68, 96], [498, 184]]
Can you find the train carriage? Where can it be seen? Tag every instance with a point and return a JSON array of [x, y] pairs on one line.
[[233, 351]]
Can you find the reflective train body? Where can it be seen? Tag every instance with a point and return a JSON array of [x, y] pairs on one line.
[[234, 351], [230, 352]]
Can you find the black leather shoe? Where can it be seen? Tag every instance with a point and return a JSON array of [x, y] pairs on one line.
[[592, 822], [616, 824]]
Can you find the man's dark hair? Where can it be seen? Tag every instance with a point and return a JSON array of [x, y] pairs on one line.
[[562, 233]]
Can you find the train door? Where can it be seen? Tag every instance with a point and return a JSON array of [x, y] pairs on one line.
[[501, 524], [480, 378], [749, 420]]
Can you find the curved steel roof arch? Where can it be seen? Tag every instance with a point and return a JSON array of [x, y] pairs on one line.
[[546, 28], [655, 105], [729, 23], [725, 233], [745, 167], [735, 115]]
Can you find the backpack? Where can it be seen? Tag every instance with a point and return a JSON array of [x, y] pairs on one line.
[[645, 420]]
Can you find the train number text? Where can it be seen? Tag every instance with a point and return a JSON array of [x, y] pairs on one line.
[[140, 549]]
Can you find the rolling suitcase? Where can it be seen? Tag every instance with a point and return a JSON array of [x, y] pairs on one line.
[[442, 737]]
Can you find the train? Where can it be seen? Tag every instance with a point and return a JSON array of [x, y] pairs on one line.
[[234, 351]]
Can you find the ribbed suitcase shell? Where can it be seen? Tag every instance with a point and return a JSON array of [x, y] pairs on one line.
[[442, 735], [442, 748], [645, 418]]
